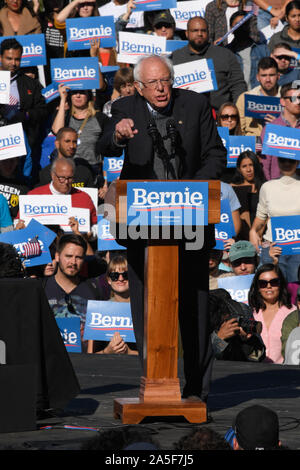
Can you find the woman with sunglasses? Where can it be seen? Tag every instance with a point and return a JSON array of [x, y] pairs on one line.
[[271, 304], [117, 278], [228, 116]]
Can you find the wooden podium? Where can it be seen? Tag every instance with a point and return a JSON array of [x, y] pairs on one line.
[[160, 387]]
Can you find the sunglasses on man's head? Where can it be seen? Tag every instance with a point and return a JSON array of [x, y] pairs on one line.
[[262, 283], [114, 276]]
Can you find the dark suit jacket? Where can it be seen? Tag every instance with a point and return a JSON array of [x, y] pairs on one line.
[[201, 151]]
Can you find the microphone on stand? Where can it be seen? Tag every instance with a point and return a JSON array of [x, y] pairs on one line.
[[172, 134]]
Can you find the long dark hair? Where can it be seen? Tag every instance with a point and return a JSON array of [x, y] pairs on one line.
[[259, 177], [255, 299], [295, 4]]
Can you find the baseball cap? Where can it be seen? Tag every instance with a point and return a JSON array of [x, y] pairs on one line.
[[257, 428], [241, 249], [163, 17]]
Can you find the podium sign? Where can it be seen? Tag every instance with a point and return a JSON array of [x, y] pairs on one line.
[[167, 203]]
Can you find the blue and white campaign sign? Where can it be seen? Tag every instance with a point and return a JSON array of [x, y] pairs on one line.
[[69, 329], [109, 76], [198, 75], [146, 5], [237, 145], [83, 218], [281, 141], [224, 134], [132, 46], [51, 92], [4, 86], [286, 233], [80, 31], [187, 10], [174, 44], [106, 242], [20, 238], [237, 286], [167, 203], [258, 106], [112, 166], [12, 141], [34, 49], [47, 209], [76, 73], [224, 230], [104, 318]]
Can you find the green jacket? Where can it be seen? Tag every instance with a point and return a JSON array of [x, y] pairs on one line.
[[290, 322]]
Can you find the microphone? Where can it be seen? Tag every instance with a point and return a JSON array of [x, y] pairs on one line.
[[153, 132], [172, 133]]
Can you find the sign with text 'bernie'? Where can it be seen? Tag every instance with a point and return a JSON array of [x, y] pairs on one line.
[[51, 92], [34, 49], [132, 46], [106, 242], [224, 230], [147, 5], [224, 134], [184, 11], [258, 106], [69, 329], [20, 238], [104, 318], [80, 31], [286, 233], [198, 75], [113, 167], [167, 203], [237, 145], [281, 141], [237, 286], [12, 141], [76, 73]]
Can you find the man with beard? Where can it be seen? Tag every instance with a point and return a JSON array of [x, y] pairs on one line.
[[67, 291], [229, 75]]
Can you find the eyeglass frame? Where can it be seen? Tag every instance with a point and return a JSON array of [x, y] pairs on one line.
[[263, 283], [152, 84], [62, 179], [292, 99], [124, 275]]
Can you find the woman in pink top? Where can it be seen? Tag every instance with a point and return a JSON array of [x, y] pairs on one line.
[[271, 304]]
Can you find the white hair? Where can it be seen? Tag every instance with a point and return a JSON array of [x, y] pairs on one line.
[[138, 66], [66, 161]]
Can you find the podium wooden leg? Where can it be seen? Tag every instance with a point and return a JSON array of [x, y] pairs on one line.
[[160, 388]]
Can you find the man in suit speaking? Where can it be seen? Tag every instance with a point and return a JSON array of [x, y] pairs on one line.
[[170, 133]]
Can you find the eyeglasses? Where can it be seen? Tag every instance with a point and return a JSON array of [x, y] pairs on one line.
[[70, 306], [225, 117], [114, 276], [62, 179], [163, 25], [87, 4], [282, 57], [293, 99], [240, 261], [262, 283], [155, 83]]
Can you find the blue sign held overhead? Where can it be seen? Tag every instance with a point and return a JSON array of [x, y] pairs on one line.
[[80, 31], [258, 106], [224, 230], [70, 332], [282, 141], [145, 5], [76, 73], [237, 145], [104, 318], [34, 49], [167, 203], [106, 242], [286, 233]]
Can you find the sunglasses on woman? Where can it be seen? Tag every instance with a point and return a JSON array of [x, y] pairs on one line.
[[262, 283], [114, 276]]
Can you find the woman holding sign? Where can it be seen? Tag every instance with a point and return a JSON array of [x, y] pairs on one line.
[[271, 304]]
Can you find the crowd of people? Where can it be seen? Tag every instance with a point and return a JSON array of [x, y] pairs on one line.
[[68, 138]]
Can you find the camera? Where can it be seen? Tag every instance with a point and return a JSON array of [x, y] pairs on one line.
[[247, 323]]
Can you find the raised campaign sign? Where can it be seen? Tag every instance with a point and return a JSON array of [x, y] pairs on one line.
[[80, 31], [106, 241], [184, 11], [281, 141], [167, 203], [104, 318], [50, 92], [76, 73], [145, 5], [132, 46], [224, 230], [12, 141], [34, 49], [198, 75], [237, 145], [258, 106], [69, 329], [286, 233], [4, 86]]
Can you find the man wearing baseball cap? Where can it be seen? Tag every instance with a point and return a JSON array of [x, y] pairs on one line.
[[256, 428], [243, 258]]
